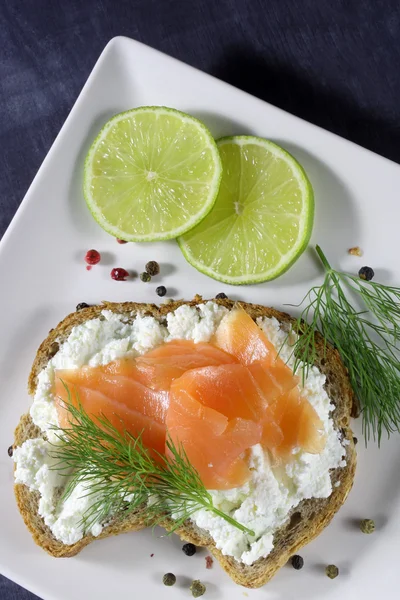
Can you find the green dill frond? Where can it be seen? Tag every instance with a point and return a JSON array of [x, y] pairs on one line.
[[367, 340], [125, 476]]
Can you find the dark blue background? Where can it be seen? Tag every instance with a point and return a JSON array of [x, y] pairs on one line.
[[335, 63]]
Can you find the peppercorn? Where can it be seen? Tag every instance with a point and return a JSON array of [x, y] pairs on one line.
[[121, 241], [10, 451], [119, 274], [189, 549], [332, 571], [197, 588], [152, 268], [82, 305], [366, 273], [355, 441], [367, 526], [145, 277], [221, 296], [297, 562], [161, 290], [355, 251], [92, 257], [169, 579]]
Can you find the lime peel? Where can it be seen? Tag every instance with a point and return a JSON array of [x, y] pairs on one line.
[[151, 174], [262, 219]]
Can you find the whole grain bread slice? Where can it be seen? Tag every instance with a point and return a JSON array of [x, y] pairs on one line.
[[304, 522]]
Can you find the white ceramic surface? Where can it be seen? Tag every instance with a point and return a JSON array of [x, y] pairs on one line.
[[43, 277]]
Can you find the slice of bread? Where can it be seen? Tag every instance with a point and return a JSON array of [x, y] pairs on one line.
[[304, 522]]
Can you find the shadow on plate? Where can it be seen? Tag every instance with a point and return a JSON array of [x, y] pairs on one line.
[[80, 214], [335, 220], [221, 126]]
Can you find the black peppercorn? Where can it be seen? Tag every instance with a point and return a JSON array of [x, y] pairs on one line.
[[82, 305], [10, 451], [152, 268], [355, 441], [145, 277], [297, 562], [221, 296], [189, 549], [366, 273], [169, 579], [161, 290]]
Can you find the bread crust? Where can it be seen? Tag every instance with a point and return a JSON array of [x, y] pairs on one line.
[[305, 521]]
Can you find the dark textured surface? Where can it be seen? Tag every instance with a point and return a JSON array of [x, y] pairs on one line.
[[332, 63]]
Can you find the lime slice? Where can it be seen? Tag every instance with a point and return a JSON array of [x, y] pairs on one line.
[[151, 174], [262, 219]]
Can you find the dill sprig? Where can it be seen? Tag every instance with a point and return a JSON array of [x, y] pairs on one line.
[[367, 340], [123, 475]]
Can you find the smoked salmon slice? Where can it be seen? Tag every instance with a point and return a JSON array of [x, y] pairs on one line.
[[232, 391], [297, 419], [124, 389], [122, 417], [214, 445], [161, 366], [240, 336], [215, 400]]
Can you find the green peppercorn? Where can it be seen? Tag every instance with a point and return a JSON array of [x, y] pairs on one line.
[[297, 562], [169, 579], [332, 571], [367, 526], [197, 588], [152, 268], [145, 277]]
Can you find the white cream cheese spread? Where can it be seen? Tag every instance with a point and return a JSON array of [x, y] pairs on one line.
[[262, 503]]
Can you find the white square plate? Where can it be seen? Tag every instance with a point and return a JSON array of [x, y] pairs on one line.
[[43, 277]]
